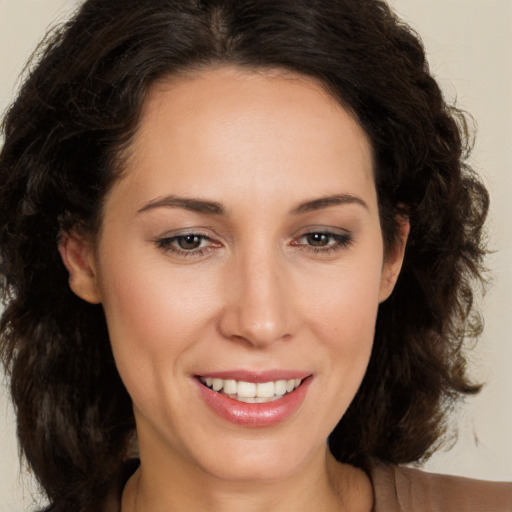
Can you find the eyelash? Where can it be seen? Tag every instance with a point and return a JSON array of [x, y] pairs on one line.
[[169, 244], [341, 241]]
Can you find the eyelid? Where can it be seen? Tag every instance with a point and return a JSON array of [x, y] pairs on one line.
[[328, 230]]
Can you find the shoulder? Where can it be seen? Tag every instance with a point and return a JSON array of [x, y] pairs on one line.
[[402, 489]]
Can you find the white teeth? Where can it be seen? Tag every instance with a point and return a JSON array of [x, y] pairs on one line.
[[246, 399], [246, 389], [281, 387], [265, 389], [262, 400], [230, 387], [217, 384], [251, 392]]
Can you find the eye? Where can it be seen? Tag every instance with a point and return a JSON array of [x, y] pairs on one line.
[[323, 241], [186, 245], [318, 239], [189, 242]]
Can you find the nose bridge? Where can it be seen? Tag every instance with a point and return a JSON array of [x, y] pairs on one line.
[[259, 310]]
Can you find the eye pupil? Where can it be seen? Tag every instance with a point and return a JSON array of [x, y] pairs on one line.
[[189, 242], [318, 239]]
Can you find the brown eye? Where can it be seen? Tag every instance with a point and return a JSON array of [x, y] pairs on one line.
[[318, 239], [187, 245], [189, 242], [323, 242]]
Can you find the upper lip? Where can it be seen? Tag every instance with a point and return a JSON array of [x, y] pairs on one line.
[[256, 376]]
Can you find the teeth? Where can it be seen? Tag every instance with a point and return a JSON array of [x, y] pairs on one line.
[[246, 389], [246, 399], [217, 384], [262, 400], [282, 388], [251, 392], [265, 389], [229, 387]]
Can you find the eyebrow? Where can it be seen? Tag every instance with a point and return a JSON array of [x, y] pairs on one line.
[[214, 208], [326, 202], [188, 203]]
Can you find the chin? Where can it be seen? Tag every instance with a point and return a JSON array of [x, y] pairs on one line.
[[258, 461]]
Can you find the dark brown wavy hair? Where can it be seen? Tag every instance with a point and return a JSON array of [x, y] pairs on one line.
[[78, 110]]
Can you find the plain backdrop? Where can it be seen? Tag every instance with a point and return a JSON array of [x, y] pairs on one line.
[[469, 43]]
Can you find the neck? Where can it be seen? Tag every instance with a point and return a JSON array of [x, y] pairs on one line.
[[324, 485]]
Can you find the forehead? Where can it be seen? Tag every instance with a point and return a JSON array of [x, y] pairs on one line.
[[217, 128]]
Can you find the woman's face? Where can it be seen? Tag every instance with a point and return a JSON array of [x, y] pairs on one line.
[[241, 248]]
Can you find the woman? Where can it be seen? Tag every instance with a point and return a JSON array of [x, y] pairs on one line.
[[246, 232]]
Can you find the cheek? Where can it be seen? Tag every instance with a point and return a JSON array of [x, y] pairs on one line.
[[152, 317], [345, 298], [147, 304], [341, 311]]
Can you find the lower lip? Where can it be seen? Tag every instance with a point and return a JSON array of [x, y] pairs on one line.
[[255, 415]]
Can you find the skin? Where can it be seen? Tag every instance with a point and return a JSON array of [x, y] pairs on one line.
[[259, 292]]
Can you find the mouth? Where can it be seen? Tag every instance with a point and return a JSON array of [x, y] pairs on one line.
[[254, 399], [251, 392]]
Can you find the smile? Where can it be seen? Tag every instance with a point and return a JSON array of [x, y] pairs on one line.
[[251, 392]]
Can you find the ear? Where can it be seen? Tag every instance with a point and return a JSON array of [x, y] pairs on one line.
[[393, 259], [77, 253]]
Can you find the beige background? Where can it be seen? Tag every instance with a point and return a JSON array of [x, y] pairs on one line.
[[470, 49]]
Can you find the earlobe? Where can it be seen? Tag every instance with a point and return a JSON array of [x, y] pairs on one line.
[[77, 254], [394, 259]]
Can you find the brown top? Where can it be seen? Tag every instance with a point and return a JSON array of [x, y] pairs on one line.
[[401, 489]]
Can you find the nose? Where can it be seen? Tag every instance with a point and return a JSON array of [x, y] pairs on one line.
[[258, 306]]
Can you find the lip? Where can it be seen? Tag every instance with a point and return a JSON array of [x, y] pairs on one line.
[[255, 415], [257, 377]]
